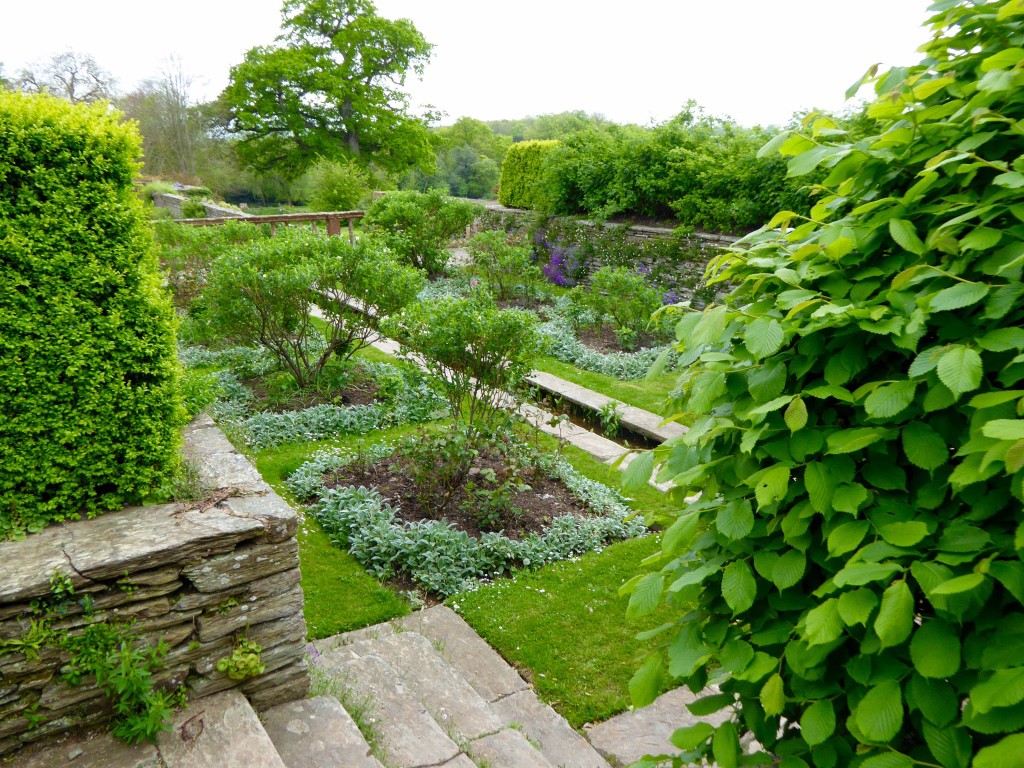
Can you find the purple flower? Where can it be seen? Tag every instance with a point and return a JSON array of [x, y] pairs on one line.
[[643, 268], [564, 267], [671, 297]]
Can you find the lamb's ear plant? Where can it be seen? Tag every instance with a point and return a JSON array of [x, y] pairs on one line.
[[851, 577]]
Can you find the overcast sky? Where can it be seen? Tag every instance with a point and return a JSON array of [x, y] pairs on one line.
[[757, 61]]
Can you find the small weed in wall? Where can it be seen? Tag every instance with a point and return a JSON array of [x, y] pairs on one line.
[[244, 661]]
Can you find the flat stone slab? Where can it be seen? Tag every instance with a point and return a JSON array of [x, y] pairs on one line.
[[489, 674], [409, 736], [317, 733], [451, 701], [549, 731], [221, 731], [628, 737], [633, 418], [97, 750], [507, 748]]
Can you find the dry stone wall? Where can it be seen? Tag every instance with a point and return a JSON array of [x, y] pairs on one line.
[[197, 576], [173, 204]]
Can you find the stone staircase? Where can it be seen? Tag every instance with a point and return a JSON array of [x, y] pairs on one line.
[[422, 691]]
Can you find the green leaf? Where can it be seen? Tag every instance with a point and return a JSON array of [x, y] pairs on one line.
[[772, 405], [888, 760], [880, 713], [958, 296], [1008, 753], [818, 722], [771, 484], [725, 745], [981, 239], [796, 415], [1007, 58], [896, 615], [924, 447], [1009, 573], [1003, 689], [1004, 429], [850, 440], [680, 533], [1010, 179], [847, 537], [903, 534], [820, 485], [849, 498], [789, 569], [823, 624], [646, 595], [858, 574], [935, 650], [638, 472], [964, 583], [773, 697], [708, 705], [764, 337], [647, 682], [738, 586], [936, 699], [855, 607], [710, 327], [960, 369], [1002, 339], [991, 399], [905, 235], [692, 736], [687, 652], [890, 399], [735, 520], [951, 746]]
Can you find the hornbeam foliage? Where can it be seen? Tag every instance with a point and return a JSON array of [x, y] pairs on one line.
[[852, 575]]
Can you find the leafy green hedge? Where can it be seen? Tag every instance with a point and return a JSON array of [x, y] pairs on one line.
[[852, 576], [521, 173], [87, 369]]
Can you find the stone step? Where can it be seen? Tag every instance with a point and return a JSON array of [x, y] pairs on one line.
[[219, 731], [317, 733], [483, 668], [561, 746], [408, 736], [628, 737], [506, 748], [451, 701], [94, 750]]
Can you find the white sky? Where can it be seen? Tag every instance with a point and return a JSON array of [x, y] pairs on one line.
[[757, 61]]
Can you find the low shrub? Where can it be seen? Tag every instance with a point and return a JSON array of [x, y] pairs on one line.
[[623, 296], [338, 185], [88, 378], [506, 266], [192, 209], [475, 352], [264, 293], [417, 226]]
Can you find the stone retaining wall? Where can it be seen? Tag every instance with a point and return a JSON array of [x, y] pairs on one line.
[[173, 204], [681, 272], [198, 576]]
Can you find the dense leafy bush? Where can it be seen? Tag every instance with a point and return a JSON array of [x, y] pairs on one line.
[[263, 293], [87, 368], [338, 185], [853, 575], [186, 253], [521, 171], [475, 351], [193, 209], [417, 226], [506, 266]]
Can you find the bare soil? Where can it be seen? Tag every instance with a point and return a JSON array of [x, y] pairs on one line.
[[361, 391], [603, 339], [531, 510]]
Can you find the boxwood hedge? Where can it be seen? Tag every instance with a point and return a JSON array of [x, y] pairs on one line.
[[88, 387]]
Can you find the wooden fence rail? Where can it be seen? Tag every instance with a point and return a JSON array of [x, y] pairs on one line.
[[331, 220]]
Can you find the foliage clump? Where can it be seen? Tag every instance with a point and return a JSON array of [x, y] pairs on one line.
[[852, 573], [417, 226], [264, 293], [507, 267], [623, 296], [521, 171], [87, 370]]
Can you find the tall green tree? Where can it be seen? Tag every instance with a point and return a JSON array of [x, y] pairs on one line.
[[331, 85]]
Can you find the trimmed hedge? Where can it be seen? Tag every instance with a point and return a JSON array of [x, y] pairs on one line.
[[521, 174], [88, 387]]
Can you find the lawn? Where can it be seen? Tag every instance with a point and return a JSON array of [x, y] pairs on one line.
[[649, 394]]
